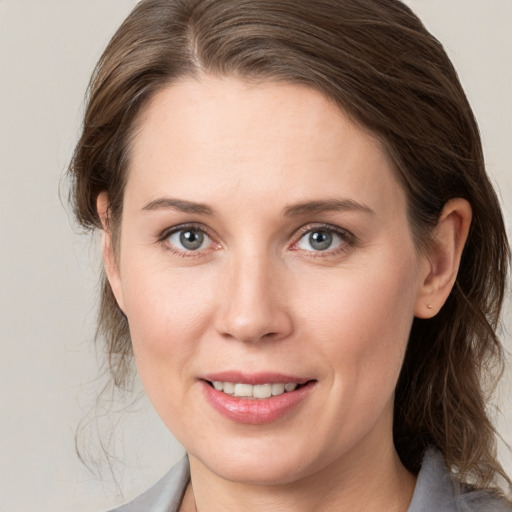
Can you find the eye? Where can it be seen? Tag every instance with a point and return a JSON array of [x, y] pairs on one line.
[[189, 239], [322, 239]]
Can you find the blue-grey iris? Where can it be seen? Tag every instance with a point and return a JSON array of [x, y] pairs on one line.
[[191, 239], [320, 240]]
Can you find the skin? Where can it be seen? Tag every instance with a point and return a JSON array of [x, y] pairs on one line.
[[258, 296]]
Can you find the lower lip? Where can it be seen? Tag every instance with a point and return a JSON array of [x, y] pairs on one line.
[[255, 411]]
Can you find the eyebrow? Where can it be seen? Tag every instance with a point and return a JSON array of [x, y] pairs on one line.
[[296, 210], [330, 205], [168, 203]]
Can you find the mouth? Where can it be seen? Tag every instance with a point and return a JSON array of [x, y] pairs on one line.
[[256, 391], [256, 399]]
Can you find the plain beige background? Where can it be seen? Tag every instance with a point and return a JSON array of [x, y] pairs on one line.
[[48, 280]]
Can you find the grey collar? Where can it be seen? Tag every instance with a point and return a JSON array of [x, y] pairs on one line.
[[436, 491]]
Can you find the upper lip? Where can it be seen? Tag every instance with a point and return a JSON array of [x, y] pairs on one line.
[[254, 378]]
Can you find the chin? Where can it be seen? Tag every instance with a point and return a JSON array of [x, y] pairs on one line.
[[258, 472], [251, 463]]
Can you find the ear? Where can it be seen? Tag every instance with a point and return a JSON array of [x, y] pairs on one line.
[[110, 261], [443, 258]]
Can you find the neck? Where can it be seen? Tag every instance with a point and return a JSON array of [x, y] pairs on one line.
[[371, 481]]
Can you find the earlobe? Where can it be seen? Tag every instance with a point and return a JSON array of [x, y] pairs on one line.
[[110, 262], [443, 258]]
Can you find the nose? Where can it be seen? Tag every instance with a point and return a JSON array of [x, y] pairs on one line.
[[252, 302]]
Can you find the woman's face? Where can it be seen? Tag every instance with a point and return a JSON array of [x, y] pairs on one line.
[[265, 245]]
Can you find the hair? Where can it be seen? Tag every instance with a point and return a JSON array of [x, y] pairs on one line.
[[376, 61]]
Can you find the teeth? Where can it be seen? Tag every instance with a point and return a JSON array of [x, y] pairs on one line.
[[278, 389], [262, 391], [228, 387], [258, 391], [243, 390]]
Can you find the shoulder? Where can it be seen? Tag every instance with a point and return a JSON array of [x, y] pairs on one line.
[[437, 489], [482, 501], [165, 495]]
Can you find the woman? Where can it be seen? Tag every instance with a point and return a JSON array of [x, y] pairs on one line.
[[302, 250]]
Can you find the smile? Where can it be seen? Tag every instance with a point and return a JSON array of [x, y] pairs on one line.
[[256, 399], [258, 391]]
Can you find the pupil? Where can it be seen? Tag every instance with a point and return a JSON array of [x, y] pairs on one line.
[[320, 240], [191, 239]]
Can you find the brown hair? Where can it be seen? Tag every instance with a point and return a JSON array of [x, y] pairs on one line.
[[378, 63]]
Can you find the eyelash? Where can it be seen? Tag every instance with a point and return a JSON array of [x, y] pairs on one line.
[[348, 240], [163, 238]]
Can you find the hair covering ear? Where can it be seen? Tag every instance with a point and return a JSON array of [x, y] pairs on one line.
[[110, 261]]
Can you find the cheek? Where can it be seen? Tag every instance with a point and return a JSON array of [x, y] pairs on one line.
[[167, 315], [168, 310], [362, 321]]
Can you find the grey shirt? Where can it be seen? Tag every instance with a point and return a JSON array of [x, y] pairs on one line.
[[436, 491]]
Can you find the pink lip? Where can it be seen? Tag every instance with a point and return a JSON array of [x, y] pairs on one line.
[[253, 378], [255, 411]]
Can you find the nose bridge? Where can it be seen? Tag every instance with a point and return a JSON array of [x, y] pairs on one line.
[[252, 298]]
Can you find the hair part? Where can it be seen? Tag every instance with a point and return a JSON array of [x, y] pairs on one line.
[[377, 62]]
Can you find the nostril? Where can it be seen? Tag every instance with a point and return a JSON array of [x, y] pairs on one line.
[[253, 322]]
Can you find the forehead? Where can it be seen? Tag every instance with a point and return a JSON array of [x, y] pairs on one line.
[[217, 137]]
